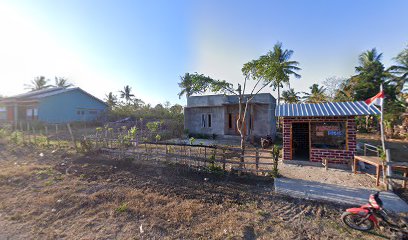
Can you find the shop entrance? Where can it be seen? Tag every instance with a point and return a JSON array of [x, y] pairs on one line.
[[300, 141]]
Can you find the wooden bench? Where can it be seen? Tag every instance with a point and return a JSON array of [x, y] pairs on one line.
[[372, 160]]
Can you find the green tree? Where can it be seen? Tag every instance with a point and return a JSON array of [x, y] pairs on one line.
[[38, 83], [126, 94], [370, 75], [400, 70], [290, 96], [317, 94], [62, 82], [277, 68], [111, 100], [176, 109]]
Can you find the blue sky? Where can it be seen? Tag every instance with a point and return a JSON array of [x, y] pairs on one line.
[[103, 45]]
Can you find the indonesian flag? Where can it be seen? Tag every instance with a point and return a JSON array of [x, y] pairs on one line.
[[377, 99]]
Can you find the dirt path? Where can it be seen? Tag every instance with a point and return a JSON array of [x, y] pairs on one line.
[[63, 196]]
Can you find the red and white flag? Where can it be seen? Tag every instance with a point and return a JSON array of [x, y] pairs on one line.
[[377, 99]]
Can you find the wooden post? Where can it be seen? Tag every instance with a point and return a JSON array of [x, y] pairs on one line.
[[28, 132], [223, 158], [72, 136], [22, 131], [167, 152], [56, 135], [388, 182], [257, 160], [365, 149], [35, 138], [46, 135], [205, 157]]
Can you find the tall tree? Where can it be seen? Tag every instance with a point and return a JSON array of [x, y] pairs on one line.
[[62, 82], [111, 99], [400, 70], [370, 75], [38, 83], [126, 94], [277, 68], [317, 94], [290, 96]]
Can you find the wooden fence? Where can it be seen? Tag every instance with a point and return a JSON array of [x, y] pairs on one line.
[[225, 158]]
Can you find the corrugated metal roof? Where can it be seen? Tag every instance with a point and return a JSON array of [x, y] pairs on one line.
[[326, 109]]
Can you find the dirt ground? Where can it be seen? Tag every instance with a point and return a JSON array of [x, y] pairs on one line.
[[331, 176], [58, 195]]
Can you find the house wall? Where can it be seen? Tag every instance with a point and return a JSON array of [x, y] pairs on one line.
[[316, 155], [64, 107], [193, 120]]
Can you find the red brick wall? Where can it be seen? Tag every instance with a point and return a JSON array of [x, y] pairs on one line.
[[316, 155]]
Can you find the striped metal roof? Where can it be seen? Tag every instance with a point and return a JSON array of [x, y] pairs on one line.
[[326, 109]]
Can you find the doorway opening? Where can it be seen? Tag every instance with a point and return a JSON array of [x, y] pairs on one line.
[[300, 141]]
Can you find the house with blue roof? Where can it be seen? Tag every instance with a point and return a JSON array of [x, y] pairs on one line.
[[52, 105]]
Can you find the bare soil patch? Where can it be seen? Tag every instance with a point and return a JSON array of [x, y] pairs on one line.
[[331, 176], [68, 196]]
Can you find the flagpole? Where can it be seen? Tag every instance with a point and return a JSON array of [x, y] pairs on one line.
[[381, 123]]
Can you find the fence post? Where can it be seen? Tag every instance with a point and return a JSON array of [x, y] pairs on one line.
[[167, 152], [388, 182], [72, 136], [205, 157], [35, 138], [46, 135], [365, 149], [257, 160], [223, 159], [22, 131], [28, 132], [56, 134]]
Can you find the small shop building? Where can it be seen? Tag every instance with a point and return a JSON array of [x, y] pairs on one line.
[[316, 131]]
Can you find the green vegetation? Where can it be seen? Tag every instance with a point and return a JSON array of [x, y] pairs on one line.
[[122, 208]]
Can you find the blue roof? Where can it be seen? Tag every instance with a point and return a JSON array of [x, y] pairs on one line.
[[326, 109]]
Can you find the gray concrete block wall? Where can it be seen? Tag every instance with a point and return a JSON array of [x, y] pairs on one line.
[[219, 106], [193, 120]]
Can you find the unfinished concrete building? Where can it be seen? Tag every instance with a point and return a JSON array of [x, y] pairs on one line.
[[217, 115]]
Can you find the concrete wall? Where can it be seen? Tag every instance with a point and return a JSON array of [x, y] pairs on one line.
[[193, 120], [206, 101], [220, 106], [69, 106]]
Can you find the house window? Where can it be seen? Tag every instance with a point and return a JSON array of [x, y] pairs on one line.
[[93, 112], [328, 135], [203, 120], [29, 113], [230, 120], [209, 120], [78, 112]]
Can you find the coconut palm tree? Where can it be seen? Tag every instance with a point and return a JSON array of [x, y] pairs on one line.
[[62, 82], [185, 85], [290, 96], [276, 65], [316, 95], [38, 83], [370, 75], [400, 70], [126, 93], [111, 99]]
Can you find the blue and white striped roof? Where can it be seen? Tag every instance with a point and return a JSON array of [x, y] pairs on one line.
[[326, 109]]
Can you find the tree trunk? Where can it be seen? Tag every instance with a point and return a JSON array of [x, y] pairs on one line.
[[277, 105]]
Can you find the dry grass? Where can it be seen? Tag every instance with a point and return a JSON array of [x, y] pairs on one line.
[[62, 196]]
